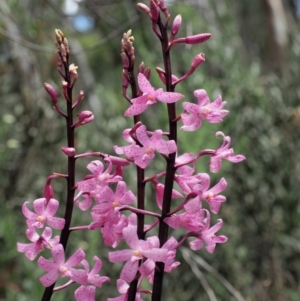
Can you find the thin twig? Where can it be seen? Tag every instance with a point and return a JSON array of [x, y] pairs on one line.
[[214, 272], [186, 255]]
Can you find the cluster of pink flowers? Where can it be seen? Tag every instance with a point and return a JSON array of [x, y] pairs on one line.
[[114, 209]]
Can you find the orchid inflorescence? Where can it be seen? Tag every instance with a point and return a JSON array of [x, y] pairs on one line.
[[104, 191]]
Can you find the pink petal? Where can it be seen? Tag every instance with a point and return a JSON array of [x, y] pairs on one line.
[[190, 122], [191, 107], [47, 233], [58, 254], [122, 286], [130, 235], [75, 259], [95, 167], [169, 97], [46, 264], [147, 267], [215, 207], [170, 244], [39, 206], [56, 222], [86, 185], [33, 236], [52, 207], [86, 203], [119, 256], [202, 97], [144, 84], [156, 254], [129, 270], [85, 293], [236, 159], [138, 106], [219, 187], [193, 206], [142, 136], [79, 276], [121, 189], [49, 278], [173, 221], [215, 164], [196, 244], [185, 158], [27, 213], [166, 147]]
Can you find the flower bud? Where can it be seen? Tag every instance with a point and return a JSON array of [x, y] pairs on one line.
[[69, 151], [154, 9], [198, 59], [48, 192], [51, 91], [85, 117], [176, 25], [196, 39], [73, 70], [125, 82], [141, 68], [125, 60], [145, 8], [147, 72]]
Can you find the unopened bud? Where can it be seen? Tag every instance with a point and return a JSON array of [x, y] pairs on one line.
[[48, 192], [85, 117], [125, 82], [198, 59], [73, 70], [163, 7], [63, 52], [59, 36], [65, 85], [141, 68], [144, 8], [69, 151], [197, 39], [125, 60], [176, 25], [66, 44], [147, 72], [154, 9], [51, 91]]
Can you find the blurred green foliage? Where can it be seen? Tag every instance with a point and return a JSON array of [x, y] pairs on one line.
[[261, 215]]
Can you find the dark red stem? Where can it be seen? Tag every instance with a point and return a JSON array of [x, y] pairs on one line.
[[71, 176], [170, 171]]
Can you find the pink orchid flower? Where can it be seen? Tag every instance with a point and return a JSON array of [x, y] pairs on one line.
[[123, 289], [112, 233], [149, 97], [60, 267], [139, 250], [44, 214], [87, 292], [191, 222], [39, 242], [211, 195], [113, 201], [141, 155], [224, 152], [148, 267], [208, 236], [99, 177], [195, 113]]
